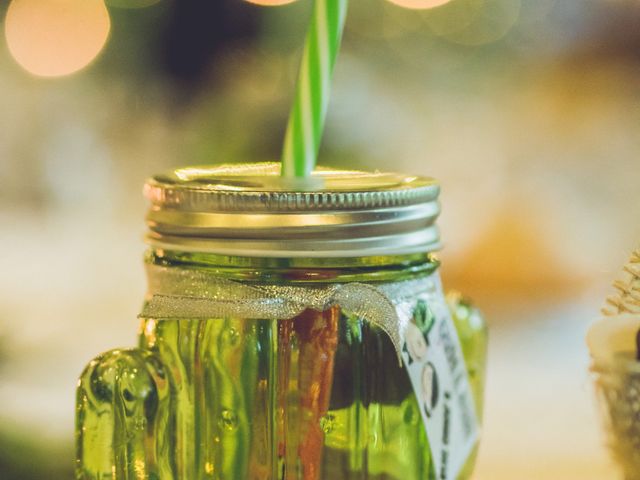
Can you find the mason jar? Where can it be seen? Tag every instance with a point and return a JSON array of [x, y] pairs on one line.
[[289, 332]]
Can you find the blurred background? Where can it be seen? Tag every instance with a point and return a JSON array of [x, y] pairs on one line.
[[527, 111]]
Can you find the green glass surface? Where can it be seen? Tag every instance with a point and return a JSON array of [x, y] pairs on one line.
[[316, 397]]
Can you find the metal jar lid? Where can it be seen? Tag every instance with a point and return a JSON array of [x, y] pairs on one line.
[[249, 210]]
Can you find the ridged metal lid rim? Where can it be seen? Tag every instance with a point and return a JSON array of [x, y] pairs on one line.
[[204, 188]]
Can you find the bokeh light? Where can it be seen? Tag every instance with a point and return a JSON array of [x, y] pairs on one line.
[[52, 38], [419, 4], [270, 3]]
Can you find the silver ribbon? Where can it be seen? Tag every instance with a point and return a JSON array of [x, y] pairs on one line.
[[179, 293]]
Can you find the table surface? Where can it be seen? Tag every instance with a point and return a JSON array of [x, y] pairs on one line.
[[541, 419]]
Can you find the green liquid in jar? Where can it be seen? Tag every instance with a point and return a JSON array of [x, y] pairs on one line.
[[320, 396]]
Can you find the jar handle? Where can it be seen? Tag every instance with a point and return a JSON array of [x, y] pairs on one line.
[[122, 414]]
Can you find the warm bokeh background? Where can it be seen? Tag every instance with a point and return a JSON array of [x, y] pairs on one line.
[[528, 111]]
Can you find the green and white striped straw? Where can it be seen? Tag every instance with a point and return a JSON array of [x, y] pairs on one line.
[[306, 120]]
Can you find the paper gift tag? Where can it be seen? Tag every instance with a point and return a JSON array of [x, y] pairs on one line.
[[432, 355]]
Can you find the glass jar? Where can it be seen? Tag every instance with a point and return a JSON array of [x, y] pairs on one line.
[[274, 333]]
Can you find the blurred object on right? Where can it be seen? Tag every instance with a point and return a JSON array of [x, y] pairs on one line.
[[614, 344]]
